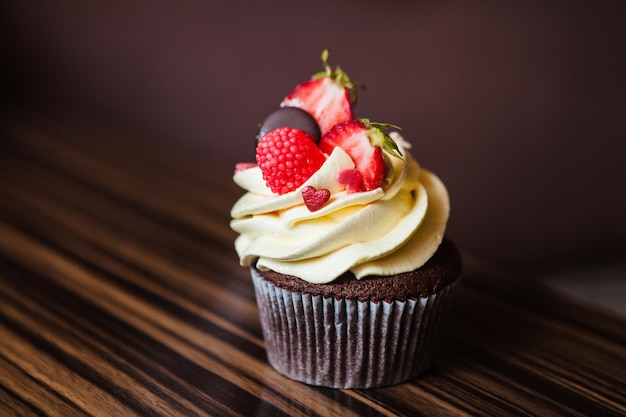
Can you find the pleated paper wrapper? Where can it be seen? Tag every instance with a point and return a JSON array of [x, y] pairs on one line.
[[344, 343]]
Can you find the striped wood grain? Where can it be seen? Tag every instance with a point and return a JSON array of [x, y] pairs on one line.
[[120, 294]]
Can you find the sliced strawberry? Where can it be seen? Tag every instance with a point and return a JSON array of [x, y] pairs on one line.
[[242, 166], [287, 158], [364, 142], [325, 100], [328, 96]]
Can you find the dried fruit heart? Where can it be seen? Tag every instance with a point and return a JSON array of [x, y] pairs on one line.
[[328, 96], [287, 158], [352, 179], [315, 199], [364, 142]]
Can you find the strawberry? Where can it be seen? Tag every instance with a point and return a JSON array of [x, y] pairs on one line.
[[242, 166], [364, 142], [328, 96], [287, 158]]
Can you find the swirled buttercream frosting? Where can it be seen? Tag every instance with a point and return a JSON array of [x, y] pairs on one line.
[[387, 230]]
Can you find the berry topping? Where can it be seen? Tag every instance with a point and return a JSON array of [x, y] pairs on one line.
[[364, 142], [291, 117], [352, 179], [328, 96], [315, 199], [242, 166], [287, 158]]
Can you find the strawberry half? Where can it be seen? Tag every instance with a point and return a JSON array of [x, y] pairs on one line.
[[364, 142], [287, 158], [328, 96]]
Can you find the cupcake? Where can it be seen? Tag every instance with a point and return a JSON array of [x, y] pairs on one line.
[[343, 233]]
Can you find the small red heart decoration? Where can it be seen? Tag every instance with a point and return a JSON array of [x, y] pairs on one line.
[[352, 179], [315, 199]]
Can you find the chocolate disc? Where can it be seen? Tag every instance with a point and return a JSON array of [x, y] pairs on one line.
[[292, 117]]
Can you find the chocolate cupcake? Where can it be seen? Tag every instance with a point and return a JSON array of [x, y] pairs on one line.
[[353, 333], [344, 238]]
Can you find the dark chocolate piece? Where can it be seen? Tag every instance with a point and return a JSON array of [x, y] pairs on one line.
[[292, 117]]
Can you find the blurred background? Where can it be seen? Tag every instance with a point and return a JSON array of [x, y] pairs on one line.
[[518, 107]]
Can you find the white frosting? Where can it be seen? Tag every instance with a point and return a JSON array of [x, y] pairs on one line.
[[386, 231]]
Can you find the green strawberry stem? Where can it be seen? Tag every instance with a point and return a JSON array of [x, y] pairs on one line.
[[339, 76], [377, 136]]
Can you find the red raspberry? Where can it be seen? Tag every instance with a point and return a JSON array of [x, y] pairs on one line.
[[287, 158]]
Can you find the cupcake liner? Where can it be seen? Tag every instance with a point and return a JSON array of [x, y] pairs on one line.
[[343, 343]]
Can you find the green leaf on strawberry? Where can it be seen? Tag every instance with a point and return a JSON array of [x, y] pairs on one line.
[[339, 76], [328, 96], [378, 137]]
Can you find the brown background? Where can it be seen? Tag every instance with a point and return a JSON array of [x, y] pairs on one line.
[[519, 108]]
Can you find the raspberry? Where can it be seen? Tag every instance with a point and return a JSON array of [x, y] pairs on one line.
[[287, 158]]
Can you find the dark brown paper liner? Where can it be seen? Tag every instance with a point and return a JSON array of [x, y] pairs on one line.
[[348, 343]]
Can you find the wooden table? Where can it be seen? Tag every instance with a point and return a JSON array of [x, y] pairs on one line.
[[120, 294]]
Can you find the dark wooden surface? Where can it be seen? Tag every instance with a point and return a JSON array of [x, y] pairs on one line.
[[120, 294]]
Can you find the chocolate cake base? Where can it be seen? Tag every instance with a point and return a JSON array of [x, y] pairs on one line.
[[356, 333], [440, 271]]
